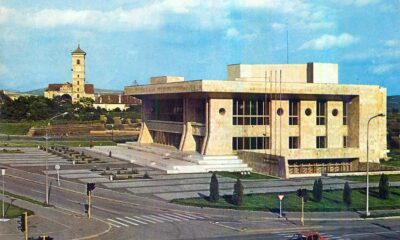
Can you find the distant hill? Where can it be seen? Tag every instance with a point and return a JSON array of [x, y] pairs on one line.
[[40, 91], [393, 102]]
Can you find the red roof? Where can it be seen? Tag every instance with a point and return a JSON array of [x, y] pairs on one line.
[[54, 87], [89, 88]]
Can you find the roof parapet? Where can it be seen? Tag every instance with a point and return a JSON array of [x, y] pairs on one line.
[[166, 79]]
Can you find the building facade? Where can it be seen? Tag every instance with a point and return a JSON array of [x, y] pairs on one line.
[[77, 89], [112, 101], [295, 114]]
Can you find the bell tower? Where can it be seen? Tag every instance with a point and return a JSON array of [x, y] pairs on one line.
[[78, 74]]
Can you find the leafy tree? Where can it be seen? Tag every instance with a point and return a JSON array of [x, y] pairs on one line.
[[214, 189], [237, 197], [384, 187], [302, 193], [86, 102], [347, 194]]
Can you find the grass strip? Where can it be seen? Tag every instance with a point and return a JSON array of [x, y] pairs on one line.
[[331, 202]]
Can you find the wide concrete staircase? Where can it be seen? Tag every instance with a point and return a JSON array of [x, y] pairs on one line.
[[189, 162]]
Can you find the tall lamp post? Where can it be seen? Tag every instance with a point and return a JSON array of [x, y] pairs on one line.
[[367, 213], [3, 172], [47, 156]]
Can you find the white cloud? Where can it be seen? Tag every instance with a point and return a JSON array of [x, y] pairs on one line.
[[233, 33], [359, 3], [381, 69], [5, 14], [330, 41], [153, 15], [393, 43], [3, 69]]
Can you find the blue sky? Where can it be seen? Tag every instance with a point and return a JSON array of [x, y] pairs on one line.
[[134, 40]]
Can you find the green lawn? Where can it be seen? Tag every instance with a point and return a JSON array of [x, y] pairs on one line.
[[331, 201], [15, 128], [373, 178], [394, 155], [35, 143], [12, 211], [251, 176]]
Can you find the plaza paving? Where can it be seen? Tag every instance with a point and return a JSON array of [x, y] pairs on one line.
[[161, 185]]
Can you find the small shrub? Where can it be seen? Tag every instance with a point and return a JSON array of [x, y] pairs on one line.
[[108, 168], [237, 197], [317, 190], [146, 175], [347, 194], [384, 187], [214, 189]]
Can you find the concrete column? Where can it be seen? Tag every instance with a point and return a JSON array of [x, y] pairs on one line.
[[307, 124], [189, 144], [220, 127], [334, 124]]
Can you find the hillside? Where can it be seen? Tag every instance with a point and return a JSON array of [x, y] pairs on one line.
[[40, 91]]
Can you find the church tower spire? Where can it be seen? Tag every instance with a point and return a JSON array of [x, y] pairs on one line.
[[78, 73]]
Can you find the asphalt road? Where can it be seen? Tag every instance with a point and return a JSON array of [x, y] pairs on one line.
[[210, 223]]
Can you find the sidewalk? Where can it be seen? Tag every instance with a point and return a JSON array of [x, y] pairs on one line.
[[54, 222]]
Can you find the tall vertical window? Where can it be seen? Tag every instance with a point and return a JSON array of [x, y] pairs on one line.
[[294, 142], [321, 142], [345, 110], [294, 112], [78, 61], [248, 143], [78, 81], [321, 112], [345, 142], [250, 112]]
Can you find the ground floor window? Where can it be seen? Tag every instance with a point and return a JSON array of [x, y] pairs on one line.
[[247, 143], [321, 142], [294, 142]]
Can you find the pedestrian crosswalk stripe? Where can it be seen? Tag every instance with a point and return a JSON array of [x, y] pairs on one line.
[[165, 219], [152, 218], [171, 218], [143, 219], [194, 215], [186, 216], [124, 220], [112, 224], [120, 223], [172, 215], [133, 219]]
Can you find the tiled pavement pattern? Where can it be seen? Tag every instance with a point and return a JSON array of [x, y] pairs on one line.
[[154, 219], [31, 157]]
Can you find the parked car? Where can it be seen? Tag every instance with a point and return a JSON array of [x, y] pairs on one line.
[[308, 236]]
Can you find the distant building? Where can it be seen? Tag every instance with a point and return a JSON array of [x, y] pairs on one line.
[[287, 120], [77, 89], [112, 101]]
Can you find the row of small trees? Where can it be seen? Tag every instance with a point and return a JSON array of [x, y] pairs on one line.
[[317, 192], [383, 190], [237, 196]]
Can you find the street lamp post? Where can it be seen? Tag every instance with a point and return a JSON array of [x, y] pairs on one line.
[[57, 167], [3, 172], [367, 213], [47, 156]]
